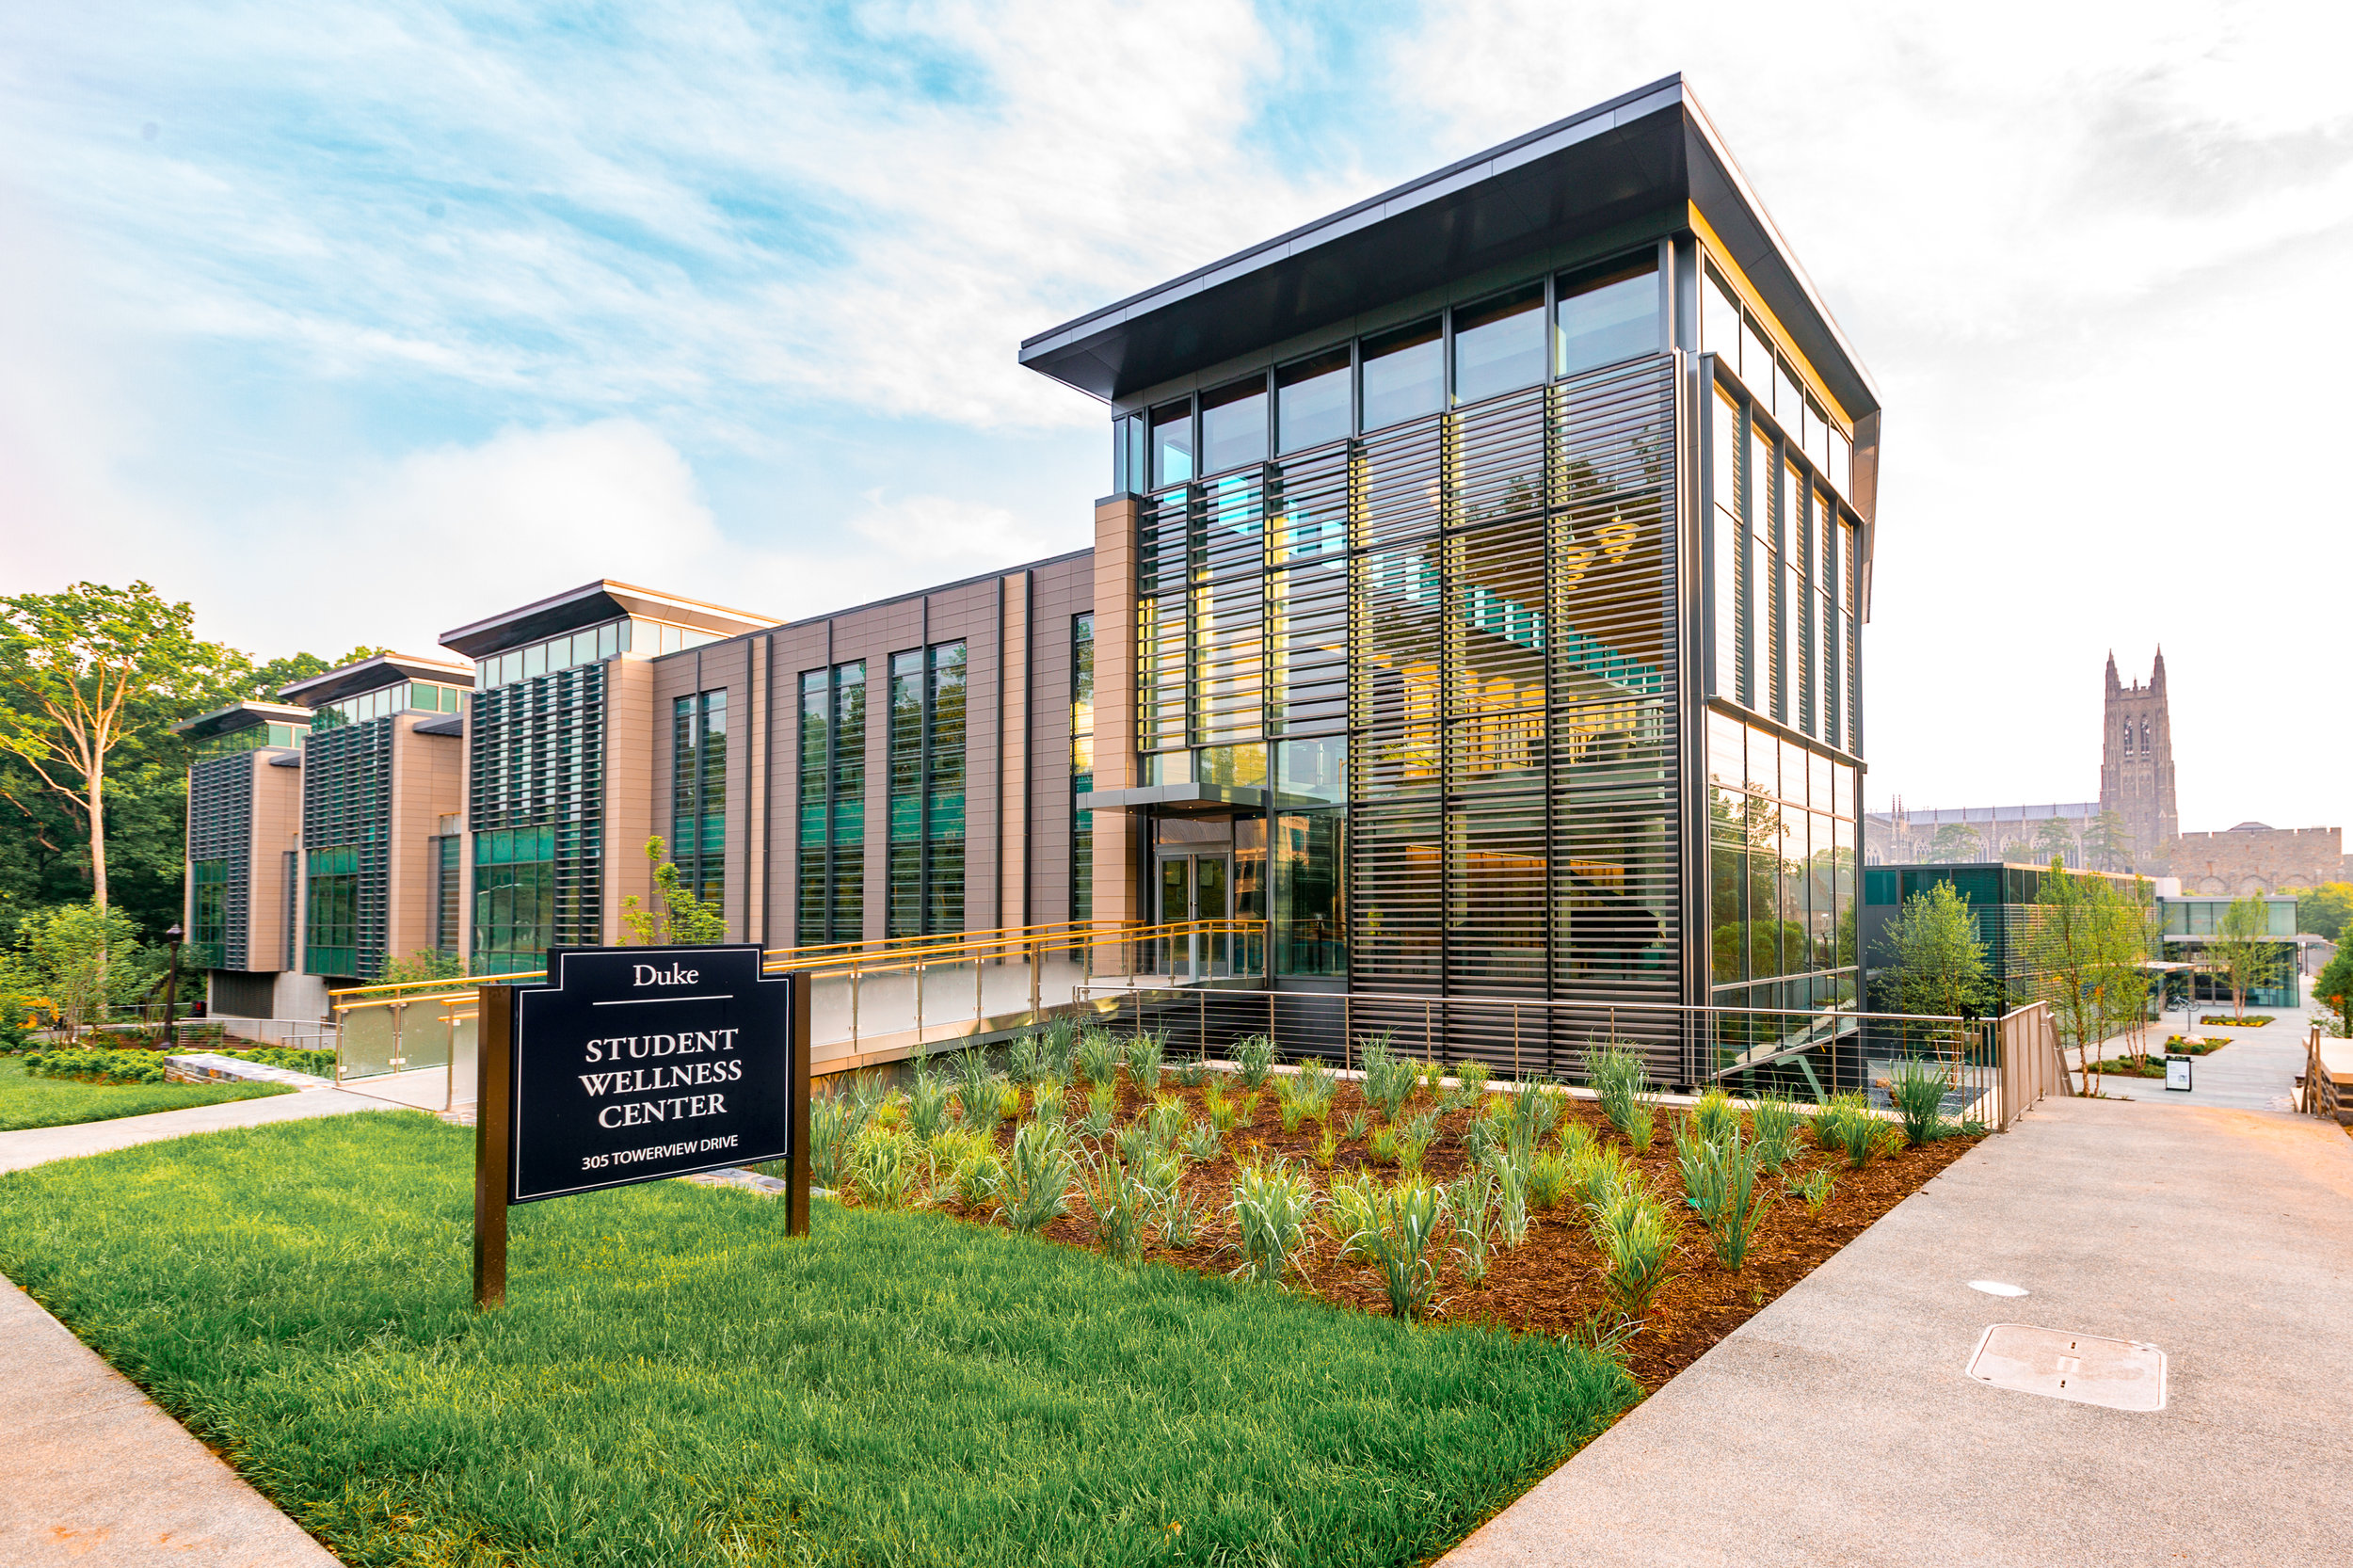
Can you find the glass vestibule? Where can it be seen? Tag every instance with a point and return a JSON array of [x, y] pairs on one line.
[[1196, 884]]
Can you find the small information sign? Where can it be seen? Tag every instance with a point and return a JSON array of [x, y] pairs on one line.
[[635, 1064], [2177, 1073]]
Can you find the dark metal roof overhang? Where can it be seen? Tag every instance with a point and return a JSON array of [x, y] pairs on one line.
[[1644, 153], [241, 716], [592, 605], [372, 675]]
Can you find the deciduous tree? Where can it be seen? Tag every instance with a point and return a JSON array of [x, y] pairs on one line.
[[2085, 943], [1937, 960], [2243, 949], [676, 915], [1955, 841]]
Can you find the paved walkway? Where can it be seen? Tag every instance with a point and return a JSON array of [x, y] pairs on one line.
[[2256, 1071], [1836, 1427], [41, 1144], [95, 1475]]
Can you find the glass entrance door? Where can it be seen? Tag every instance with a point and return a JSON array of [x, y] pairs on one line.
[[1197, 888]]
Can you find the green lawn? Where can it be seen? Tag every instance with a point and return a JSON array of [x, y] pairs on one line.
[[675, 1380], [29, 1100]]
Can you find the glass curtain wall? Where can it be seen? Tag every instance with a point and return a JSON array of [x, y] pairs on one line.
[[536, 805], [1449, 636], [346, 830], [331, 912], [208, 913], [1781, 838], [928, 789], [1081, 765], [830, 875], [698, 794]]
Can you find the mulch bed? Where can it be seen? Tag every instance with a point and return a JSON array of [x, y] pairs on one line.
[[1552, 1283]]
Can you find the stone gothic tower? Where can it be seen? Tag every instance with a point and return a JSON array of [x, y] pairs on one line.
[[2136, 764]]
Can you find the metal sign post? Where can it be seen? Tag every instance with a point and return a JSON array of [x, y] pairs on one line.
[[635, 1064]]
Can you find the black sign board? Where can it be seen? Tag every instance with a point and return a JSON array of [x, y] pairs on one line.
[[636, 1064]]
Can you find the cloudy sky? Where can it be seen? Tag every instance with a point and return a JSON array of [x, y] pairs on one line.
[[359, 320]]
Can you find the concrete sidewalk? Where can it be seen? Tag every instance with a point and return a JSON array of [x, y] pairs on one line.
[[1836, 1426], [94, 1474], [41, 1144]]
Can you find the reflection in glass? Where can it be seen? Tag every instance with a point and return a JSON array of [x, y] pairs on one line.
[[1233, 425], [1171, 443], [1609, 318], [1404, 375], [1316, 770], [1310, 907], [1720, 322], [1500, 344], [1311, 401]]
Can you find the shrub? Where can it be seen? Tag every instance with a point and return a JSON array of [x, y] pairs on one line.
[[1917, 1089], [1036, 1176], [1271, 1207], [96, 1065], [1720, 1182], [1408, 1217]]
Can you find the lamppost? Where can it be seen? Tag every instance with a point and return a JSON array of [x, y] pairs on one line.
[[171, 989]]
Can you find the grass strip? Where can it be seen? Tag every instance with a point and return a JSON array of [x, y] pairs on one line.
[[675, 1382], [28, 1100]]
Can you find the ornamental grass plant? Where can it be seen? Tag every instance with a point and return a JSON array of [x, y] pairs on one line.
[[1917, 1089], [1037, 1174], [1119, 1203], [1146, 1049], [1253, 1059], [1406, 1219], [927, 1099], [1098, 1057], [1722, 1183], [1775, 1121], [1637, 1237], [1272, 1205]]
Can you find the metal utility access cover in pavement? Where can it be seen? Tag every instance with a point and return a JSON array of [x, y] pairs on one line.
[[2121, 1374]]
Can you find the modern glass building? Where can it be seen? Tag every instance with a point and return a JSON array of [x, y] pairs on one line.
[[1495, 553], [245, 810], [1476, 602], [383, 764], [2003, 900], [570, 742]]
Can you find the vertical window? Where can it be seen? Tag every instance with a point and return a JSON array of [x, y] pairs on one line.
[[831, 855], [331, 918], [1082, 764], [926, 893], [448, 875], [943, 805], [1607, 318], [1826, 615], [1728, 535], [1311, 401], [1720, 321], [1234, 426], [1500, 344], [698, 794], [1171, 443], [208, 913], [1404, 375]]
